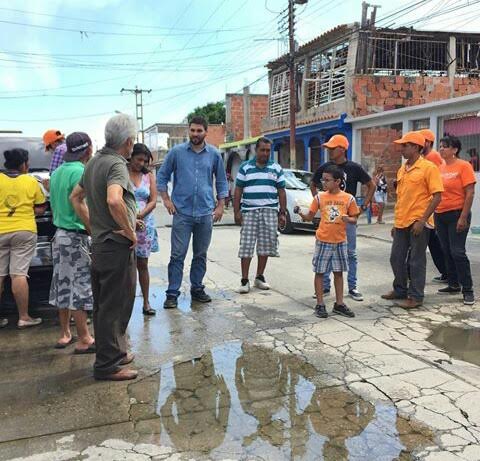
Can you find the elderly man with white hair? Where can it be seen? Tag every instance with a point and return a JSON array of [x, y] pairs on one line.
[[111, 217]]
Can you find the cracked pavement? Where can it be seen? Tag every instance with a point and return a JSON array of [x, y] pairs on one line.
[[257, 376]]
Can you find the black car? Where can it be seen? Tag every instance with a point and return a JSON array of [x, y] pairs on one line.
[[39, 164]]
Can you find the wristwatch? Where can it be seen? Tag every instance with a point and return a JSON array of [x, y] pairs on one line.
[[282, 212]]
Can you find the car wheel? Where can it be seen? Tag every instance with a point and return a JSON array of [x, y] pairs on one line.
[[288, 228]]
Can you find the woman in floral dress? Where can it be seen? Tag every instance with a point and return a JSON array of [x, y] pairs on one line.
[[146, 196]]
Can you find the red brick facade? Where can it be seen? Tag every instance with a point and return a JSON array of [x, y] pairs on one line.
[[216, 134], [373, 94], [234, 119]]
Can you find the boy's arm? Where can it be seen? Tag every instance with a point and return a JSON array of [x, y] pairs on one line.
[[352, 212], [314, 207]]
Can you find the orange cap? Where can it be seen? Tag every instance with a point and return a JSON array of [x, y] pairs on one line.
[[50, 136], [428, 135], [337, 140], [414, 137]]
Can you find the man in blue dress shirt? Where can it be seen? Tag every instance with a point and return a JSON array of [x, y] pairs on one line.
[[194, 166]]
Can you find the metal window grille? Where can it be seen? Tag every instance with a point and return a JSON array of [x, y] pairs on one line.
[[280, 95], [468, 56]]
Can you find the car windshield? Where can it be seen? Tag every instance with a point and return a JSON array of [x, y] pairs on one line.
[[292, 182], [38, 159]]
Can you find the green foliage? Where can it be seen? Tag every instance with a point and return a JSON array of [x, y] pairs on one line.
[[214, 112]]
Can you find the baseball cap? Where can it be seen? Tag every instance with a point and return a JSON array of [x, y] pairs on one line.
[[413, 137], [50, 136], [428, 135], [337, 140], [77, 144]]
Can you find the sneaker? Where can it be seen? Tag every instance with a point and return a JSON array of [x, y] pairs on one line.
[[440, 279], [355, 294], [22, 324], [244, 286], [200, 296], [3, 323], [468, 299], [449, 290], [170, 303], [261, 283], [321, 311], [342, 309], [326, 292]]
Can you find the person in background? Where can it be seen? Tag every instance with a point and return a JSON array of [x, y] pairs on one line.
[[21, 198], [438, 256], [380, 192], [453, 215], [419, 189], [54, 141], [194, 165], [260, 205], [71, 287], [112, 219], [145, 188], [474, 160], [337, 208], [353, 175]]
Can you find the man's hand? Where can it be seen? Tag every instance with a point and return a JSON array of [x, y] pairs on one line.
[[462, 224], [46, 184], [130, 235], [238, 218], [418, 227], [218, 213], [169, 206], [282, 220], [392, 232], [140, 225]]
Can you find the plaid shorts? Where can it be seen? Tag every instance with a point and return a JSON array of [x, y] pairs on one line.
[[330, 257], [259, 227]]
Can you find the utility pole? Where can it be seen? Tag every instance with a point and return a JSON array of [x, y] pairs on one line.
[[138, 107], [292, 72]]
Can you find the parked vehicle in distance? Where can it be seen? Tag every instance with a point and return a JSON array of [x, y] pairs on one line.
[[39, 166], [298, 194]]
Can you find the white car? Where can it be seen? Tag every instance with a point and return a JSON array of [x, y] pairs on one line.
[[298, 194]]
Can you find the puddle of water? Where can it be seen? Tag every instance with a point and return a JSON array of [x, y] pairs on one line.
[[460, 343], [249, 401]]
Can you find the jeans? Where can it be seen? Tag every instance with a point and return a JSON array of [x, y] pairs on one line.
[[183, 227], [352, 260], [453, 244], [438, 255], [404, 242]]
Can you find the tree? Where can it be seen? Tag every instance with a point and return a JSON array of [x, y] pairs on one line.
[[214, 112]]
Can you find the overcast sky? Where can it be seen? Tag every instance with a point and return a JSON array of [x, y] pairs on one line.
[[63, 63]]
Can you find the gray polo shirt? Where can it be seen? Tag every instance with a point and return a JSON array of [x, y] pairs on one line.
[[107, 167]]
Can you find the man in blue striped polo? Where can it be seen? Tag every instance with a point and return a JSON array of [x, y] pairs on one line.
[[259, 192]]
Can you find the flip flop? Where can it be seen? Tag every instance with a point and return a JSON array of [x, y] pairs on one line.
[[89, 350], [64, 345]]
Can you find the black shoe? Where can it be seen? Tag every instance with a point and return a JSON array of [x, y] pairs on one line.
[[321, 311], [468, 299], [440, 279], [449, 290], [200, 296], [170, 303], [342, 309]]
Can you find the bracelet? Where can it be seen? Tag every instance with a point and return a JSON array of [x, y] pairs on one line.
[[282, 212]]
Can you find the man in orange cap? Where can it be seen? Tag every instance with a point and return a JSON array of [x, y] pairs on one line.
[[419, 191], [353, 174], [54, 141], [434, 243]]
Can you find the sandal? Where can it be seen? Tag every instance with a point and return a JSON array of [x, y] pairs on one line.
[[89, 350], [149, 311], [60, 345]]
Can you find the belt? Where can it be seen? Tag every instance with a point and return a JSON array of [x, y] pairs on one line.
[[75, 231]]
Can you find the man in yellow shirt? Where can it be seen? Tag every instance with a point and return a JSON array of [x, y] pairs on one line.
[[419, 190]]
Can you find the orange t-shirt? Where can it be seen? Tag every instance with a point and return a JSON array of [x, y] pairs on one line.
[[332, 207], [455, 178], [415, 186], [434, 157]]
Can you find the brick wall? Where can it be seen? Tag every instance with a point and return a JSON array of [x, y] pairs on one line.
[[373, 94], [216, 134], [234, 118], [378, 149]]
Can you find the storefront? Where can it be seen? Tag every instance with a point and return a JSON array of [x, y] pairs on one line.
[[373, 135]]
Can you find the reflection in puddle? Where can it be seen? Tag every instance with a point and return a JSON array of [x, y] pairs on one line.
[[249, 401], [460, 343]]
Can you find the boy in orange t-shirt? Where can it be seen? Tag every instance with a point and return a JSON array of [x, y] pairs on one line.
[[337, 208]]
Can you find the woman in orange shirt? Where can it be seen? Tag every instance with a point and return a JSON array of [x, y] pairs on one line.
[[452, 217]]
